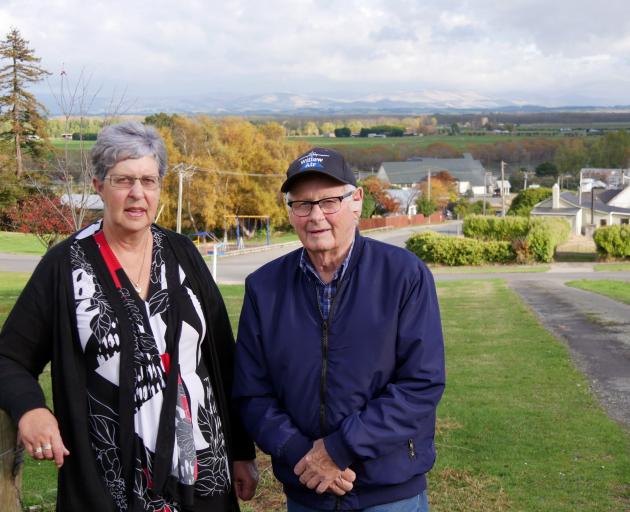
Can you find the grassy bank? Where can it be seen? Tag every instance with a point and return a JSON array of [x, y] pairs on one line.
[[617, 290], [518, 428]]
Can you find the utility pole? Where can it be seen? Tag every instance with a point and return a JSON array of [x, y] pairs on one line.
[[502, 188], [525, 181], [182, 171], [180, 193], [429, 185], [485, 191]]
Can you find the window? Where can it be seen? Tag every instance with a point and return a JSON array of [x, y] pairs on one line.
[[625, 221], [602, 222]]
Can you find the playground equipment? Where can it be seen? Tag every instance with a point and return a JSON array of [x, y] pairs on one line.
[[248, 225]]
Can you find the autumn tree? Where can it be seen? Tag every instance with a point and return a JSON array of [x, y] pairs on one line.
[[383, 202], [443, 189], [46, 218], [19, 109], [234, 168]]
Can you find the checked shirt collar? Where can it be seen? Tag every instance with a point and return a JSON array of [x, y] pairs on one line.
[[325, 292]]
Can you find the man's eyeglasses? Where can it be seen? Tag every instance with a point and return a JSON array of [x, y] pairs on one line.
[[127, 182], [327, 205]]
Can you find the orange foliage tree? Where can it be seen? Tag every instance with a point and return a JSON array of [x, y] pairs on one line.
[[232, 168], [443, 188], [384, 203]]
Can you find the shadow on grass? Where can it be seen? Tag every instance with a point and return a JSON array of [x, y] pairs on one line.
[[575, 257]]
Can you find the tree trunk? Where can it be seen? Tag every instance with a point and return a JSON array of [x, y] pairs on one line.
[[10, 480], [18, 156]]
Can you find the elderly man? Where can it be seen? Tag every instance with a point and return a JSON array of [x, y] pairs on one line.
[[340, 357]]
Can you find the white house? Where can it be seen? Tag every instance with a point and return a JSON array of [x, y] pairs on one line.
[[608, 207]]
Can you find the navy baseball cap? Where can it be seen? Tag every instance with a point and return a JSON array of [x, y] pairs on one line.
[[319, 161]]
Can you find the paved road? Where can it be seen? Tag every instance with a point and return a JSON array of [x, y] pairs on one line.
[[234, 269], [18, 262], [597, 332]]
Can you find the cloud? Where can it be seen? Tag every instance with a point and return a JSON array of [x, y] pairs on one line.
[[531, 49]]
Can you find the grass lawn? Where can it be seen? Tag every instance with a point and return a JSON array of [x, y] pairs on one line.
[[488, 269], [518, 428], [617, 290], [612, 267], [74, 145], [20, 243]]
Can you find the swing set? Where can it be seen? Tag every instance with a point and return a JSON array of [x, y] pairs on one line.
[[246, 226]]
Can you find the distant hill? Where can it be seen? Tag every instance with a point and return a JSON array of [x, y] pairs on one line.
[[428, 102]]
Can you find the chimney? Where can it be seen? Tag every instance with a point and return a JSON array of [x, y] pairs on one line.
[[555, 196]]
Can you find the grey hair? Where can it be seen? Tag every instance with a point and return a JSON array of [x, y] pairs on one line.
[[124, 141]]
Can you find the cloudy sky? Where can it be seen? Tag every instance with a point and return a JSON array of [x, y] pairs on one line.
[[549, 52]]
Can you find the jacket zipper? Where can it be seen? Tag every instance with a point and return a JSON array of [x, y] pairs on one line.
[[412, 449], [322, 384]]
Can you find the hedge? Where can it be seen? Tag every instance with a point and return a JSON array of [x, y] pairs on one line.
[[489, 227], [448, 250], [533, 238], [613, 241], [545, 235]]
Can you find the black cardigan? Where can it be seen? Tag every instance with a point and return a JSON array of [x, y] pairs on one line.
[[42, 328]]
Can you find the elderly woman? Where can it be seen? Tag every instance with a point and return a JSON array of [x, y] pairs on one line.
[[141, 350]]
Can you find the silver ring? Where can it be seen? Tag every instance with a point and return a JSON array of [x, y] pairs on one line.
[[38, 449], [47, 446]]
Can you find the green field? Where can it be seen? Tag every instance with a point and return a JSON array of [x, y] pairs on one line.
[[616, 290], [518, 428], [458, 142], [72, 144], [489, 269], [20, 243], [612, 267]]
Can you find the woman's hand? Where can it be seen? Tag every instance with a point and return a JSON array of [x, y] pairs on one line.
[[38, 431], [245, 478]]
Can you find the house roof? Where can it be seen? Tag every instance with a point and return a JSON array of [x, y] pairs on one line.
[[417, 169], [563, 212], [598, 204], [89, 202]]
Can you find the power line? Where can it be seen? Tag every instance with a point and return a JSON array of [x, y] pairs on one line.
[[233, 173]]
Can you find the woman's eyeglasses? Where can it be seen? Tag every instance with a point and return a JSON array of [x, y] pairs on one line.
[[127, 182]]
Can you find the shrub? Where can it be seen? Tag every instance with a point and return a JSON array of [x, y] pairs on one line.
[[545, 235], [487, 227], [531, 238], [613, 241], [447, 250], [426, 206]]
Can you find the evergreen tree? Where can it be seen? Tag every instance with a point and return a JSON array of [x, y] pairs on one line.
[[19, 109]]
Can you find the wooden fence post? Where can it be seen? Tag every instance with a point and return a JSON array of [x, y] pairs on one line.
[[10, 480]]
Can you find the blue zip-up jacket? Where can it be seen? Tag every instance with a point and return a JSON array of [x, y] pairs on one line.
[[367, 381]]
